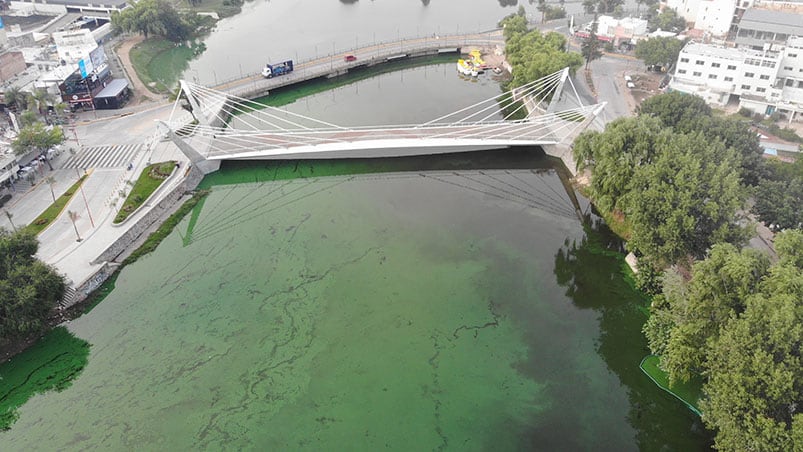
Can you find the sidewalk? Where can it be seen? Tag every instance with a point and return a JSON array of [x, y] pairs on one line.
[[97, 202]]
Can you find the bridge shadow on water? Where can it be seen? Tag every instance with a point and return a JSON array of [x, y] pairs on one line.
[[510, 175]]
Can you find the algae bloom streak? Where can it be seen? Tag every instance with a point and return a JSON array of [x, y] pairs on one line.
[[50, 365], [445, 308]]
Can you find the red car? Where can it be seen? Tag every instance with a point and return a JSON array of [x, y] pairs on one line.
[[350, 58]]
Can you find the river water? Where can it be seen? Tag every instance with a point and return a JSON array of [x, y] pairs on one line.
[[429, 303]]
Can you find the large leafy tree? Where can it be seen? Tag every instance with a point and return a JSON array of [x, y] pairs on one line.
[[690, 114], [534, 55], [738, 322], [667, 20], [686, 200], [659, 51], [37, 138], [678, 191], [29, 289], [779, 195], [615, 155], [152, 17]]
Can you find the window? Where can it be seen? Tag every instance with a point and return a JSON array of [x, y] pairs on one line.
[[697, 74], [745, 86], [699, 62], [790, 82], [788, 68], [731, 67], [767, 63], [728, 79], [681, 71], [684, 60], [714, 64], [764, 77], [749, 74], [712, 76], [792, 55], [760, 90]]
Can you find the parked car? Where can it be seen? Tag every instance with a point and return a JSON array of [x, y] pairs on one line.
[[350, 58]]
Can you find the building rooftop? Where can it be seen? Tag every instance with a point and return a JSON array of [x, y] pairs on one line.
[[113, 88], [777, 21], [727, 53], [113, 4]]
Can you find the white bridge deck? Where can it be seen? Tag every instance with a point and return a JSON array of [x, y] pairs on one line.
[[232, 128]]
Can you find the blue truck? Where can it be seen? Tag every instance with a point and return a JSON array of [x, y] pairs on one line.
[[275, 70]]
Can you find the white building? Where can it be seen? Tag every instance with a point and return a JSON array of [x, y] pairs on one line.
[[712, 16], [762, 81]]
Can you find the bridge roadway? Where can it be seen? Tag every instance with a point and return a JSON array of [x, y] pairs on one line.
[[372, 142], [254, 85]]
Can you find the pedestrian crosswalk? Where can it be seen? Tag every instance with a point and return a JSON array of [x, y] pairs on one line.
[[113, 156]]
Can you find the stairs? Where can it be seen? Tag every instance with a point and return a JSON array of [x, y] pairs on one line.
[[67, 300]]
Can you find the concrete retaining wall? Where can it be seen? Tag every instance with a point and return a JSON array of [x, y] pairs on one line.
[[121, 244]]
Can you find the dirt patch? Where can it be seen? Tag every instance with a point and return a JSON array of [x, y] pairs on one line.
[[647, 84], [141, 94]]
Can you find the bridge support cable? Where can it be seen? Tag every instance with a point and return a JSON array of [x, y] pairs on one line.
[[247, 107], [267, 132], [492, 102]]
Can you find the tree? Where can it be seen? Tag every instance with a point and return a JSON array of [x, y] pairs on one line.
[[514, 24], [690, 114], [614, 156], [29, 289], [675, 109], [668, 20], [601, 6], [755, 384], [40, 99], [37, 138], [778, 203], [779, 195], [738, 322], [685, 200], [15, 98], [660, 51], [534, 55], [51, 181], [74, 216], [591, 48], [152, 17], [28, 118]]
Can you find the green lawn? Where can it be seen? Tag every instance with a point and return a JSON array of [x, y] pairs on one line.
[[150, 179], [159, 63], [45, 218], [689, 393]]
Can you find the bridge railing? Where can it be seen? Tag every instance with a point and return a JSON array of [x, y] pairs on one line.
[[380, 50]]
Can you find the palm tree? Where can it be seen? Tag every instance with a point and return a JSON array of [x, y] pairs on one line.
[[40, 99], [15, 98], [9, 215], [50, 181], [74, 216]]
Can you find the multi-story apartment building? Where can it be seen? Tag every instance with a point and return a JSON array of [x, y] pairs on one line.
[[764, 81], [712, 16]]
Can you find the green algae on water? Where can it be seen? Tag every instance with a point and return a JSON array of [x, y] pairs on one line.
[[49, 365]]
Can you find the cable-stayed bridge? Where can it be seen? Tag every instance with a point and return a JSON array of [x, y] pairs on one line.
[[544, 112]]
